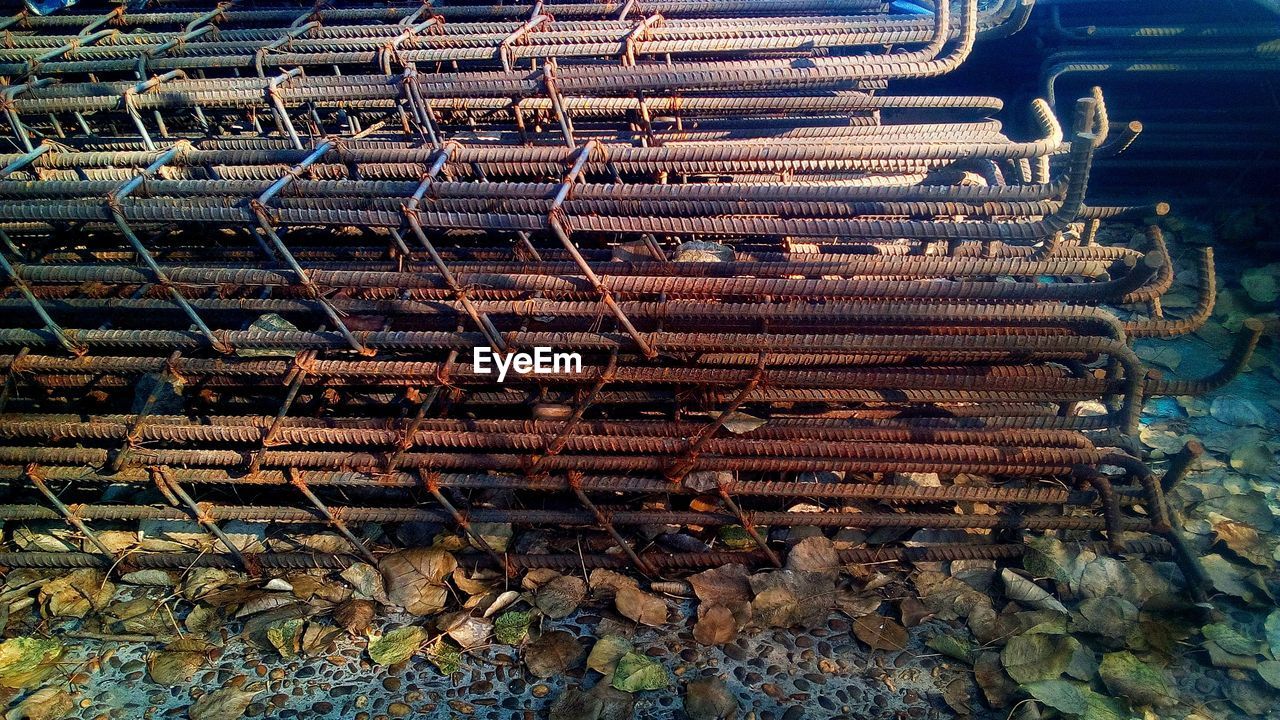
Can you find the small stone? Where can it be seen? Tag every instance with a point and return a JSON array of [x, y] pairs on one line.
[[540, 690], [398, 709]]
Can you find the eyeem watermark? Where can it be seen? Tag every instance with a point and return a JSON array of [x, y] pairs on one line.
[[542, 361]]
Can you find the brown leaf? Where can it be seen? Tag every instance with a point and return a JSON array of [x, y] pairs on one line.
[[178, 662], [709, 699], [415, 578], [880, 632], [552, 653], [560, 596], [641, 607], [815, 554], [48, 703], [1243, 539], [716, 626], [913, 612], [227, 703], [354, 616], [76, 594], [726, 585]]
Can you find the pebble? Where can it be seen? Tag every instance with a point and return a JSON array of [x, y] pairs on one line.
[[398, 709]]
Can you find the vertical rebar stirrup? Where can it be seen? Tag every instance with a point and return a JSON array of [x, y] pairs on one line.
[[202, 513], [115, 201], [559, 224], [260, 206], [293, 380], [33, 476], [431, 480], [295, 478], [410, 210]]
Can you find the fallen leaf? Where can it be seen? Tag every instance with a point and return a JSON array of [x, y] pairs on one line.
[[367, 582], [1036, 656], [641, 607], [726, 585], [355, 615], [1230, 639], [636, 672], [178, 662], [952, 646], [559, 597], [1272, 626], [575, 704], [1269, 671], [1236, 411], [228, 703], [709, 699], [466, 630], [1111, 617], [496, 535], [25, 662], [414, 579], [286, 637], [552, 653], [715, 626], [397, 645], [1129, 677], [446, 656], [1061, 695], [501, 602], [786, 598], [994, 682], [1243, 540], [739, 423], [76, 594], [815, 554], [1253, 459], [1229, 578], [512, 628], [604, 584], [880, 632], [1028, 593], [605, 654], [49, 703]]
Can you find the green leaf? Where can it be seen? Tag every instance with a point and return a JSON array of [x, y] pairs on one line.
[[1049, 558], [606, 652], [951, 646], [1229, 639], [636, 672], [1273, 632], [1031, 657], [736, 537], [512, 628], [397, 646], [1129, 677], [1063, 696], [446, 656], [1269, 670], [286, 637], [25, 662], [1102, 707]]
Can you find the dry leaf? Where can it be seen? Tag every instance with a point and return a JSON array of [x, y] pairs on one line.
[[227, 703], [49, 703], [178, 662], [880, 632], [559, 597], [415, 579], [709, 699], [641, 607], [552, 653], [605, 654], [355, 616], [76, 594], [716, 626]]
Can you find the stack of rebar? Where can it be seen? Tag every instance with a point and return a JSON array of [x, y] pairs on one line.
[[261, 259]]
